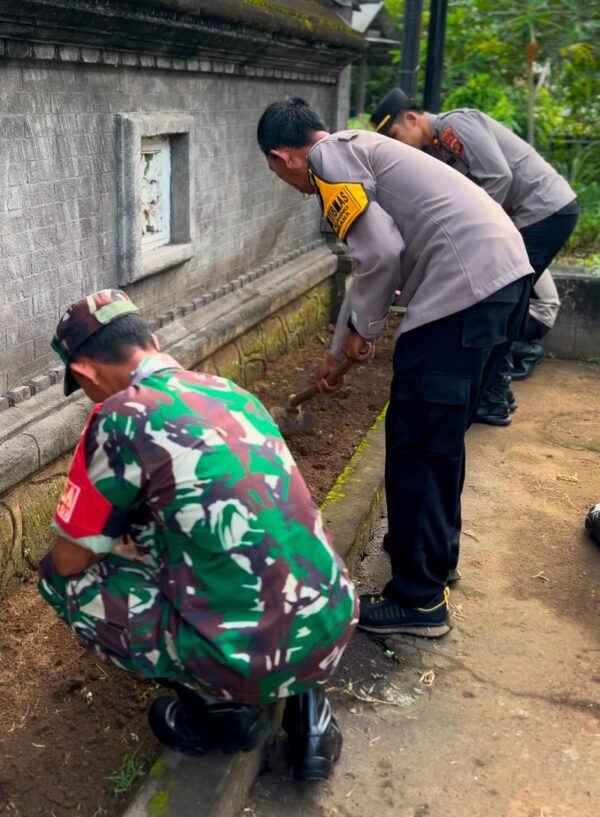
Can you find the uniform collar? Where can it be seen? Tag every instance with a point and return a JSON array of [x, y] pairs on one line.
[[434, 130], [152, 364]]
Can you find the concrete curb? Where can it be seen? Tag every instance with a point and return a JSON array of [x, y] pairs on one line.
[[352, 504], [218, 785], [576, 334]]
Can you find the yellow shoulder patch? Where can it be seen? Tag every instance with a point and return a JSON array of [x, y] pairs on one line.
[[342, 202]]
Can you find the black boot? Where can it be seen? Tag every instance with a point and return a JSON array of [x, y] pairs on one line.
[[510, 395], [592, 522], [493, 407], [314, 736], [526, 356], [193, 724]]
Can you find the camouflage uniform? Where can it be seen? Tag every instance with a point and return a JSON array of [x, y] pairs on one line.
[[236, 591]]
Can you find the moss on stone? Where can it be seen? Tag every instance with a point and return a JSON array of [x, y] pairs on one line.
[[158, 769], [336, 493], [251, 343], [274, 338], [159, 804], [37, 502]]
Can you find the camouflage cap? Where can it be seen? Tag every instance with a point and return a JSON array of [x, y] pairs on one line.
[[83, 319], [392, 103]]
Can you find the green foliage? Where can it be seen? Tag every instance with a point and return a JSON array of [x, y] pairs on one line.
[[359, 122], [485, 67], [483, 91], [581, 168]]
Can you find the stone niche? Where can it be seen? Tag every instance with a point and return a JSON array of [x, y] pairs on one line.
[[154, 193]]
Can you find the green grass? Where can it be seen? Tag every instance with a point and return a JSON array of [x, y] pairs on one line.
[[134, 765]]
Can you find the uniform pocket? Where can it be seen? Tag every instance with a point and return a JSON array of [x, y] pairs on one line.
[[431, 415], [487, 323]]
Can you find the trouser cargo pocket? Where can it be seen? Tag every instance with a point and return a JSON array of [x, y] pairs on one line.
[[497, 318], [430, 414]]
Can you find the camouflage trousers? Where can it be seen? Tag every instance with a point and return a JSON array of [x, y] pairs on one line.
[[117, 609]]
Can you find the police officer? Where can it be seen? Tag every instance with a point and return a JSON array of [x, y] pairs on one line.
[[544, 304], [412, 225], [537, 199], [234, 598]]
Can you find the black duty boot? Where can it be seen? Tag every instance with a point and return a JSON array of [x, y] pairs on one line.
[[209, 724], [510, 398], [493, 409], [592, 522], [526, 356], [379, 614], [314, 736]]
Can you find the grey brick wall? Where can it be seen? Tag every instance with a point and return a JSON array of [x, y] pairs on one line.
[[58, 236]]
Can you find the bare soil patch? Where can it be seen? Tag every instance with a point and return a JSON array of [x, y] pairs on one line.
[[67, 720]]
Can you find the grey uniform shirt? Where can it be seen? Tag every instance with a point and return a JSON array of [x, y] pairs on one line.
[[426, 231], [510, 170]]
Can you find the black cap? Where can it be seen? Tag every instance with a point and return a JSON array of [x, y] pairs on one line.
[[384, 114]]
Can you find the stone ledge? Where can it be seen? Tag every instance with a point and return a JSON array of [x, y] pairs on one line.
[[576, 334], [36, 433], [173, 254], [35, 51], [270, 35]]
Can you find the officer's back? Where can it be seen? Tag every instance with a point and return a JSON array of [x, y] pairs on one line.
[[460, 246]]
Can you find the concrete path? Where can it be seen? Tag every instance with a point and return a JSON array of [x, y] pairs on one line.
[[501, 717]]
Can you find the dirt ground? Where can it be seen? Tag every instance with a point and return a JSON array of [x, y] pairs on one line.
[[68, 721], [501, 718]]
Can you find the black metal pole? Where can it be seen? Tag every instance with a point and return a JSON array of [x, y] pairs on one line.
[[434, 67], [409, 60]]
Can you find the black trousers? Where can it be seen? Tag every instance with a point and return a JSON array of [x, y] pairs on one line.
[[542, 242], [545, 238], [440, 370]]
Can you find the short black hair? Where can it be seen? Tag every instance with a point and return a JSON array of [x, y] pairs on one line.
[[114, 342], [287, 123], [414, 108]]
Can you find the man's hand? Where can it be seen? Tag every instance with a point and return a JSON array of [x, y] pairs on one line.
[[328, 365], [357, 348], [70, 559]]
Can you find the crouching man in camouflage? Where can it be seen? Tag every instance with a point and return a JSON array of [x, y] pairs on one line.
[[235, 598]]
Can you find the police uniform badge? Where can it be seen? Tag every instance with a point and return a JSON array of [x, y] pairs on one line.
[[342, 203], [451, 141]]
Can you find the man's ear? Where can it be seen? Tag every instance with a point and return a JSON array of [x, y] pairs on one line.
[[85, 368], [410, 119], [281, 153]]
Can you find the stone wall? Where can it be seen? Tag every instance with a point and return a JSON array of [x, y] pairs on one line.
[[58, 231], [200, 71]]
